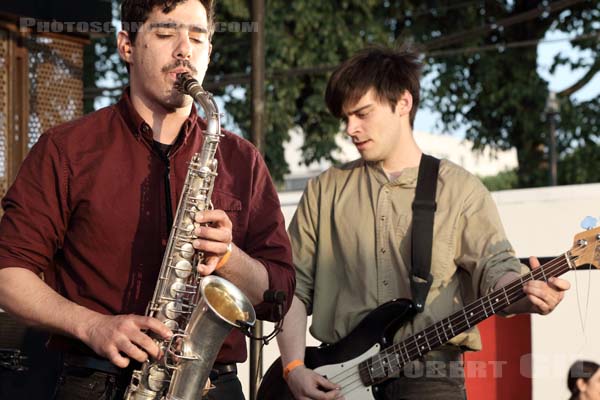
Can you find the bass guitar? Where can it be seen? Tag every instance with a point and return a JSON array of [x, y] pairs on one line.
[[367, 356]]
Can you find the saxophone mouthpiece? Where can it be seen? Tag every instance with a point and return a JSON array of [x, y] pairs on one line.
[[183, 79]]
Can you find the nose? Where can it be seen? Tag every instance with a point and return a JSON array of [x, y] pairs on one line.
[[183, 50], [351, 125]]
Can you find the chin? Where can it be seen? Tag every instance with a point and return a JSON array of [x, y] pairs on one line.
[[178, 100]]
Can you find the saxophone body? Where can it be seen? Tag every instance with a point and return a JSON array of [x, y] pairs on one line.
[[201, 311]]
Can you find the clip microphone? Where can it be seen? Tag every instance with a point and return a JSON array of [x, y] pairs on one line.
[[278, 298], [274, 296]]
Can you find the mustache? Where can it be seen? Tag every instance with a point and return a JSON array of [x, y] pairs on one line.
[[179, 63]]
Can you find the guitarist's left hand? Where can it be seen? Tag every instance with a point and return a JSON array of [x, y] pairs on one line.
[[541, 297], [544, 297]]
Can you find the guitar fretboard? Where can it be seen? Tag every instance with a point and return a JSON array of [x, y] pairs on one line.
[[390, 361]]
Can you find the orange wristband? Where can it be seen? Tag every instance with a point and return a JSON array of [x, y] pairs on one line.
[[292, 365], [225, 257]]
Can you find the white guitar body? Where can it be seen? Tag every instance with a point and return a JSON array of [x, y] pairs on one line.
[[347, 376]]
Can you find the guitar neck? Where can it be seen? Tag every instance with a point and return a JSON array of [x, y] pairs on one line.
[[393, 359]]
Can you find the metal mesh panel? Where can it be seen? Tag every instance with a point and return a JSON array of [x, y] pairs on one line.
[[55, 83], [3, 111]]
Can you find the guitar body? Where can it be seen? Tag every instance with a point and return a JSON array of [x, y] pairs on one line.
[[375, 331]]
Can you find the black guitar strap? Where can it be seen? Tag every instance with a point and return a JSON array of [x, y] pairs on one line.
[[424, 207]]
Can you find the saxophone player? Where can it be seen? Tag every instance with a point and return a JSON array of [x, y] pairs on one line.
[[93, 204]]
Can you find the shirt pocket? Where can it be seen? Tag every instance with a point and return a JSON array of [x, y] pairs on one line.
[[233, 208], [442, 260]]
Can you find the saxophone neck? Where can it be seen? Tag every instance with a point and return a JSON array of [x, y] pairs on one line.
[[189, 85]]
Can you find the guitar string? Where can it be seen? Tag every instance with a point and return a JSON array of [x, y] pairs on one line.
[[479, 306], [583, 317], [432, 328], [514, 296], [551, 267]]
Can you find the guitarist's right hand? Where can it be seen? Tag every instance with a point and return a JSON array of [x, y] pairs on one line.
[[306, 384]]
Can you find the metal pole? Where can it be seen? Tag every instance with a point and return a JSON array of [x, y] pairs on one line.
[[257, 137], [258, 75], [552, 111], [552, 150]]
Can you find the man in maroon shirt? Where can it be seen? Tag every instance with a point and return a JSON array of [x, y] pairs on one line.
[[93, 204]]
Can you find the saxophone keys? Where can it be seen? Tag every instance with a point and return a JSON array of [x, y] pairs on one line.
[[187, 251], [171, 324], [178, 289], [173, 309], [157, 378], [183, 269]]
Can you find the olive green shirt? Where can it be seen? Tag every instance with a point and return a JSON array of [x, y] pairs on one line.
[[351, 240]]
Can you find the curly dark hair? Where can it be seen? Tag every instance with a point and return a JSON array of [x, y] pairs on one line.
[[388, 71], [135, 12]]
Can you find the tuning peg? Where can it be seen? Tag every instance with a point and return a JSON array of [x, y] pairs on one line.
[[589, 223]]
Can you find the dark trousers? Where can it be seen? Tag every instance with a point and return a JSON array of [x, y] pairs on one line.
[[81, 383], [427, 381], [103, 386], [226, 387]]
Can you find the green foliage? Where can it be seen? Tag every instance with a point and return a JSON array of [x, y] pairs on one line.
[[495, 91], [502, 181], [299, 34], [102, 64], [485, 80]]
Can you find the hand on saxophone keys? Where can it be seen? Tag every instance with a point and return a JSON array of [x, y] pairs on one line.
[[122, 337], [214, 238]]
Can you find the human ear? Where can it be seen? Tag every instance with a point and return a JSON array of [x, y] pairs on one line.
[[124, 46], [581, 385], [404, 103]]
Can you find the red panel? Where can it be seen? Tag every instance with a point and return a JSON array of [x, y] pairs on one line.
[[495, 373], [481, 383], [513, 336]]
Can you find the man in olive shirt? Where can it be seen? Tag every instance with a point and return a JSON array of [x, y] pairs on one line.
[[351, 240]]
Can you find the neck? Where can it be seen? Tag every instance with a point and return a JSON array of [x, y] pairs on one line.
[[165, 123], [407, 154]]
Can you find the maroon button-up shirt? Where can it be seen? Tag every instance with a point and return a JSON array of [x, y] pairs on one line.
[[89, 209]]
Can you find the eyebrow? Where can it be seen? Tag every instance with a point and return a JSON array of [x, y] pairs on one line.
[[359, 109], [174, 25]]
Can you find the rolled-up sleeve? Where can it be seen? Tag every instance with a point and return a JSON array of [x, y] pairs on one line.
[[267, 241], [35, 208], [303, 235]]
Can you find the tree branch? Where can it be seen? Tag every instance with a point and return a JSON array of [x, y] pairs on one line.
[[583, 81]]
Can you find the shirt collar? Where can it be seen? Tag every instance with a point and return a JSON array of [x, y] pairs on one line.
[[407, 178], [140, 128]]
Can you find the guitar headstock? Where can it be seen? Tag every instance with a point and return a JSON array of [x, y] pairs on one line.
[[586, 248]]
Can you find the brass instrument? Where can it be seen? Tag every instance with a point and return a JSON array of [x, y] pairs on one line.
[[201, 311]]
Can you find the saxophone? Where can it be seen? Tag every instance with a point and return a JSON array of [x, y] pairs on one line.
[[201, 311]]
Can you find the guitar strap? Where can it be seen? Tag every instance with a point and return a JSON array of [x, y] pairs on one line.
[[423, 207]]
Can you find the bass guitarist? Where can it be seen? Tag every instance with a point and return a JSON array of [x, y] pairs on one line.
[[351, 236]]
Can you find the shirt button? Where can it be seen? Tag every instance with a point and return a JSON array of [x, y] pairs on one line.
[[145, 128], [385, 283], [383, 250], [383, 218]]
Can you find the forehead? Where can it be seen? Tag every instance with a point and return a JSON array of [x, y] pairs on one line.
[[369, 98], [190, 13]]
